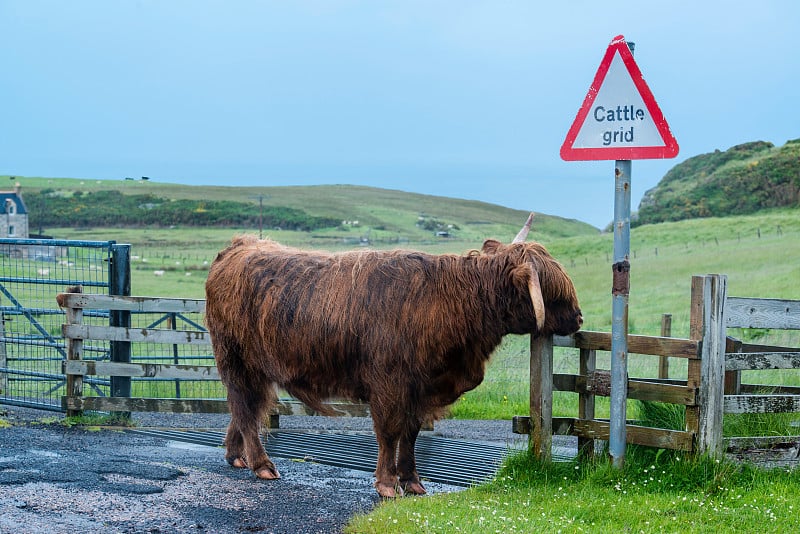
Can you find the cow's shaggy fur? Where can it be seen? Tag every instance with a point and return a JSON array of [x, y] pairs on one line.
[[405, 332]]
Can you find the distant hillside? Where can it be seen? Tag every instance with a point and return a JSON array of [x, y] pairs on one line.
[[743, 179], [328, 212]]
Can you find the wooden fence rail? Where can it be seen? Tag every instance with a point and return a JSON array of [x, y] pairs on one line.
[[713, 386], [76, 368]]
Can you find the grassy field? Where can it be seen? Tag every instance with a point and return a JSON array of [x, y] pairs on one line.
[[384, 217], [760, 254]]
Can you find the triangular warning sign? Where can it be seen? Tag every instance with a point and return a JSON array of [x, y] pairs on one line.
[[619, 118]]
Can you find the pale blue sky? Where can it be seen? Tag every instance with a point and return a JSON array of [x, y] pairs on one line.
[[467, 99]]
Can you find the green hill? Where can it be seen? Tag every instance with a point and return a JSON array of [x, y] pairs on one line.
[[743, 179], [328, 212]]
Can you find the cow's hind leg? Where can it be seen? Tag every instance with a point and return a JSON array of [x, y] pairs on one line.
[[234, 446], [244, 447], [387, 434], [406, 459]]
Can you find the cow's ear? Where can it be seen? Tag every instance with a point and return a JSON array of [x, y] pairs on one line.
[[491, 246]]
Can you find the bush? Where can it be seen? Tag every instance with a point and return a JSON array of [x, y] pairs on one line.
[[112, 208]]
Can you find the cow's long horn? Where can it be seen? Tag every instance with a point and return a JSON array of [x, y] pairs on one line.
[[535, 290], [523, 233]]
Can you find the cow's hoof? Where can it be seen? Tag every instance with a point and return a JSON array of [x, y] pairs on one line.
[[236, 461], [268, 473], [388, 491], [414, 488]]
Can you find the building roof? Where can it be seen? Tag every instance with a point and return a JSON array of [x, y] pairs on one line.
[[12, 196]]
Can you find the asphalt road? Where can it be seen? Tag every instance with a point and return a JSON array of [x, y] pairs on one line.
[[57, 479]]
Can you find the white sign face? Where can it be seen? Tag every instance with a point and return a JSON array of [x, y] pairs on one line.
[[619, 118]]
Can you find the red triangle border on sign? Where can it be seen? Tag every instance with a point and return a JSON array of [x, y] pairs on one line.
[[670, 147]]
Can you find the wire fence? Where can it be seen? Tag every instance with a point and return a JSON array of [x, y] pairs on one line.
[[32, 349]]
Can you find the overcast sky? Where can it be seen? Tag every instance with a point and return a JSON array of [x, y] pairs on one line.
[[469, 99]]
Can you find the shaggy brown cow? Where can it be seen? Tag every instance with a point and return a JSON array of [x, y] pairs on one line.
[[405, 332]]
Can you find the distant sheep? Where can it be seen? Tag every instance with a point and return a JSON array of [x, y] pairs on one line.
[[406, 332], [158, 273]]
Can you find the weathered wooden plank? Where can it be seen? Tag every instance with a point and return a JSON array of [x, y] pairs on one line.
[[565, 426], [521, 424], [145, 335], [742, 312], [591, 430], [711, 291], [133, 404], [148, 370], [655, 392], [763, 389], [752, 347], [140, 404], [761, 403], [587, 364], [733, 379], [564, 382], [338, 409], [743, 361], [736, 444], [137, 304], [653, 345], [541, 397], [562, 426], [3, 356], [640, 435], [644, 390], [74, 384]]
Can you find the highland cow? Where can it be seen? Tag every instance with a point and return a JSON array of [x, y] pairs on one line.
[[405, 332]]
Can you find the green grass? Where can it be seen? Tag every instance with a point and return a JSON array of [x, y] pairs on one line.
[[657, 491]]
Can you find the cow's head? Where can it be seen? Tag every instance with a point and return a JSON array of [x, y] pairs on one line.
[[534, 271]]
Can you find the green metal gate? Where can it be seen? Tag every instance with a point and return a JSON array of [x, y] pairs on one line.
[[32, 272]]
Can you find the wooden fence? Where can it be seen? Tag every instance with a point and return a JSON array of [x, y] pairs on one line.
[[712, 388], [713, 385], [76, 368]]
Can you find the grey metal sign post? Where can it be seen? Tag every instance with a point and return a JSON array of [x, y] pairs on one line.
[[619, 120]]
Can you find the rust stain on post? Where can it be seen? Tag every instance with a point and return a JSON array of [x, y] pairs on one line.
[[621, 283]]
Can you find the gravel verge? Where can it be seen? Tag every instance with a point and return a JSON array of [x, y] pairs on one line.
[[59, 479]]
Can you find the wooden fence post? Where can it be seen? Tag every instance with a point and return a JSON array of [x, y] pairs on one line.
[[74, 383], [707, 324], [666, 331], [120, 351], [586, 367], [733, 379], [541, 403], [3, 357]]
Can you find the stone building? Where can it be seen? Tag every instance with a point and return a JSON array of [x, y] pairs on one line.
[[13, 214]]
